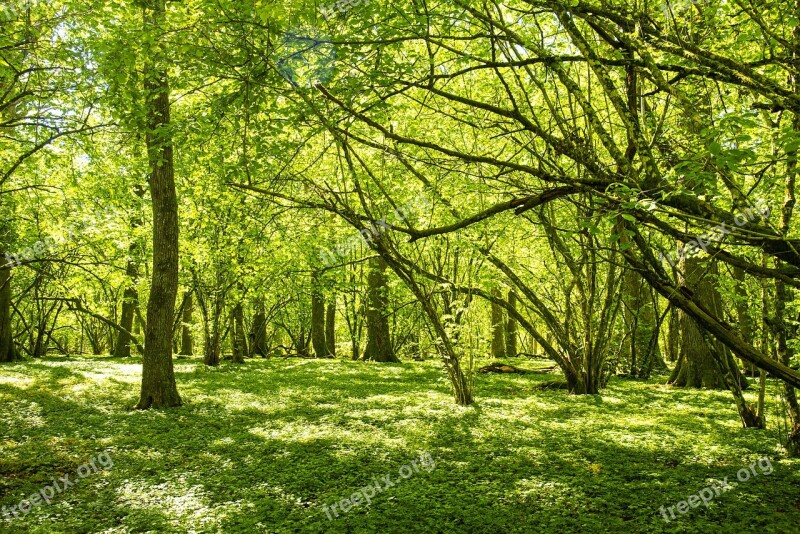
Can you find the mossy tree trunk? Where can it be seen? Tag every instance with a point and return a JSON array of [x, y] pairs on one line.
[[238, 336], [130, 300], [159, 389], [696, 366], [258, 346], [7, 352], [497, 328], [784, 295], [318, 320], [130, 296], [187, 343], [379, 341], [511, 326], [330, 327]]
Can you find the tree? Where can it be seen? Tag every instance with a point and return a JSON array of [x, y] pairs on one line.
[[187, 342], [318, 340], [697, 365], [379, 341], [511, 326], [159, 389], [330, 327], [497, 328]]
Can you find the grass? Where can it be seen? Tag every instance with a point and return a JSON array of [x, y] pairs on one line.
[[262, 447]]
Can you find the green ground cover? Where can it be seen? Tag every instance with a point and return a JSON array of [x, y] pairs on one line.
[[264, 446]]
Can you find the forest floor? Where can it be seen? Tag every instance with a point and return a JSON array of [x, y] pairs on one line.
[[264, 446]]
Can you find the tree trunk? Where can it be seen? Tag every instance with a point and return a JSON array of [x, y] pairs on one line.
[[696, 366], [258, 346], [301, 343], [784, 295], [379, 342], [211, 349], [7, 352], [511, 326], [498, 343], [187, 343], [330, 327], [318, 320], [129, 302], [238, 339], [159, 389], [674, 335]]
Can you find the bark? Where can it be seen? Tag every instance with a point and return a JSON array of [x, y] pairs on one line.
[[511, 326], [783, 295], [318, 321], [130, 296], [159, 389], [7, 352], [129, 302], [498, 343], [212, 349], [258, 346], [379, 342], [674, 335], [187, 343], [301, 344], [782, 328], [696, 366], [330, 327], [238, 339]]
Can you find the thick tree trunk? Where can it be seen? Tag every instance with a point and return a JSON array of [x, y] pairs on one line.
[[511, 326], [212, 348], [330, 327], [696, 366], [498, 343], [159, 389], [379, 342], [187, 343], [582, 384]]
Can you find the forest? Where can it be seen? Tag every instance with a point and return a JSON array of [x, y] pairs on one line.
[[458, 266]]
